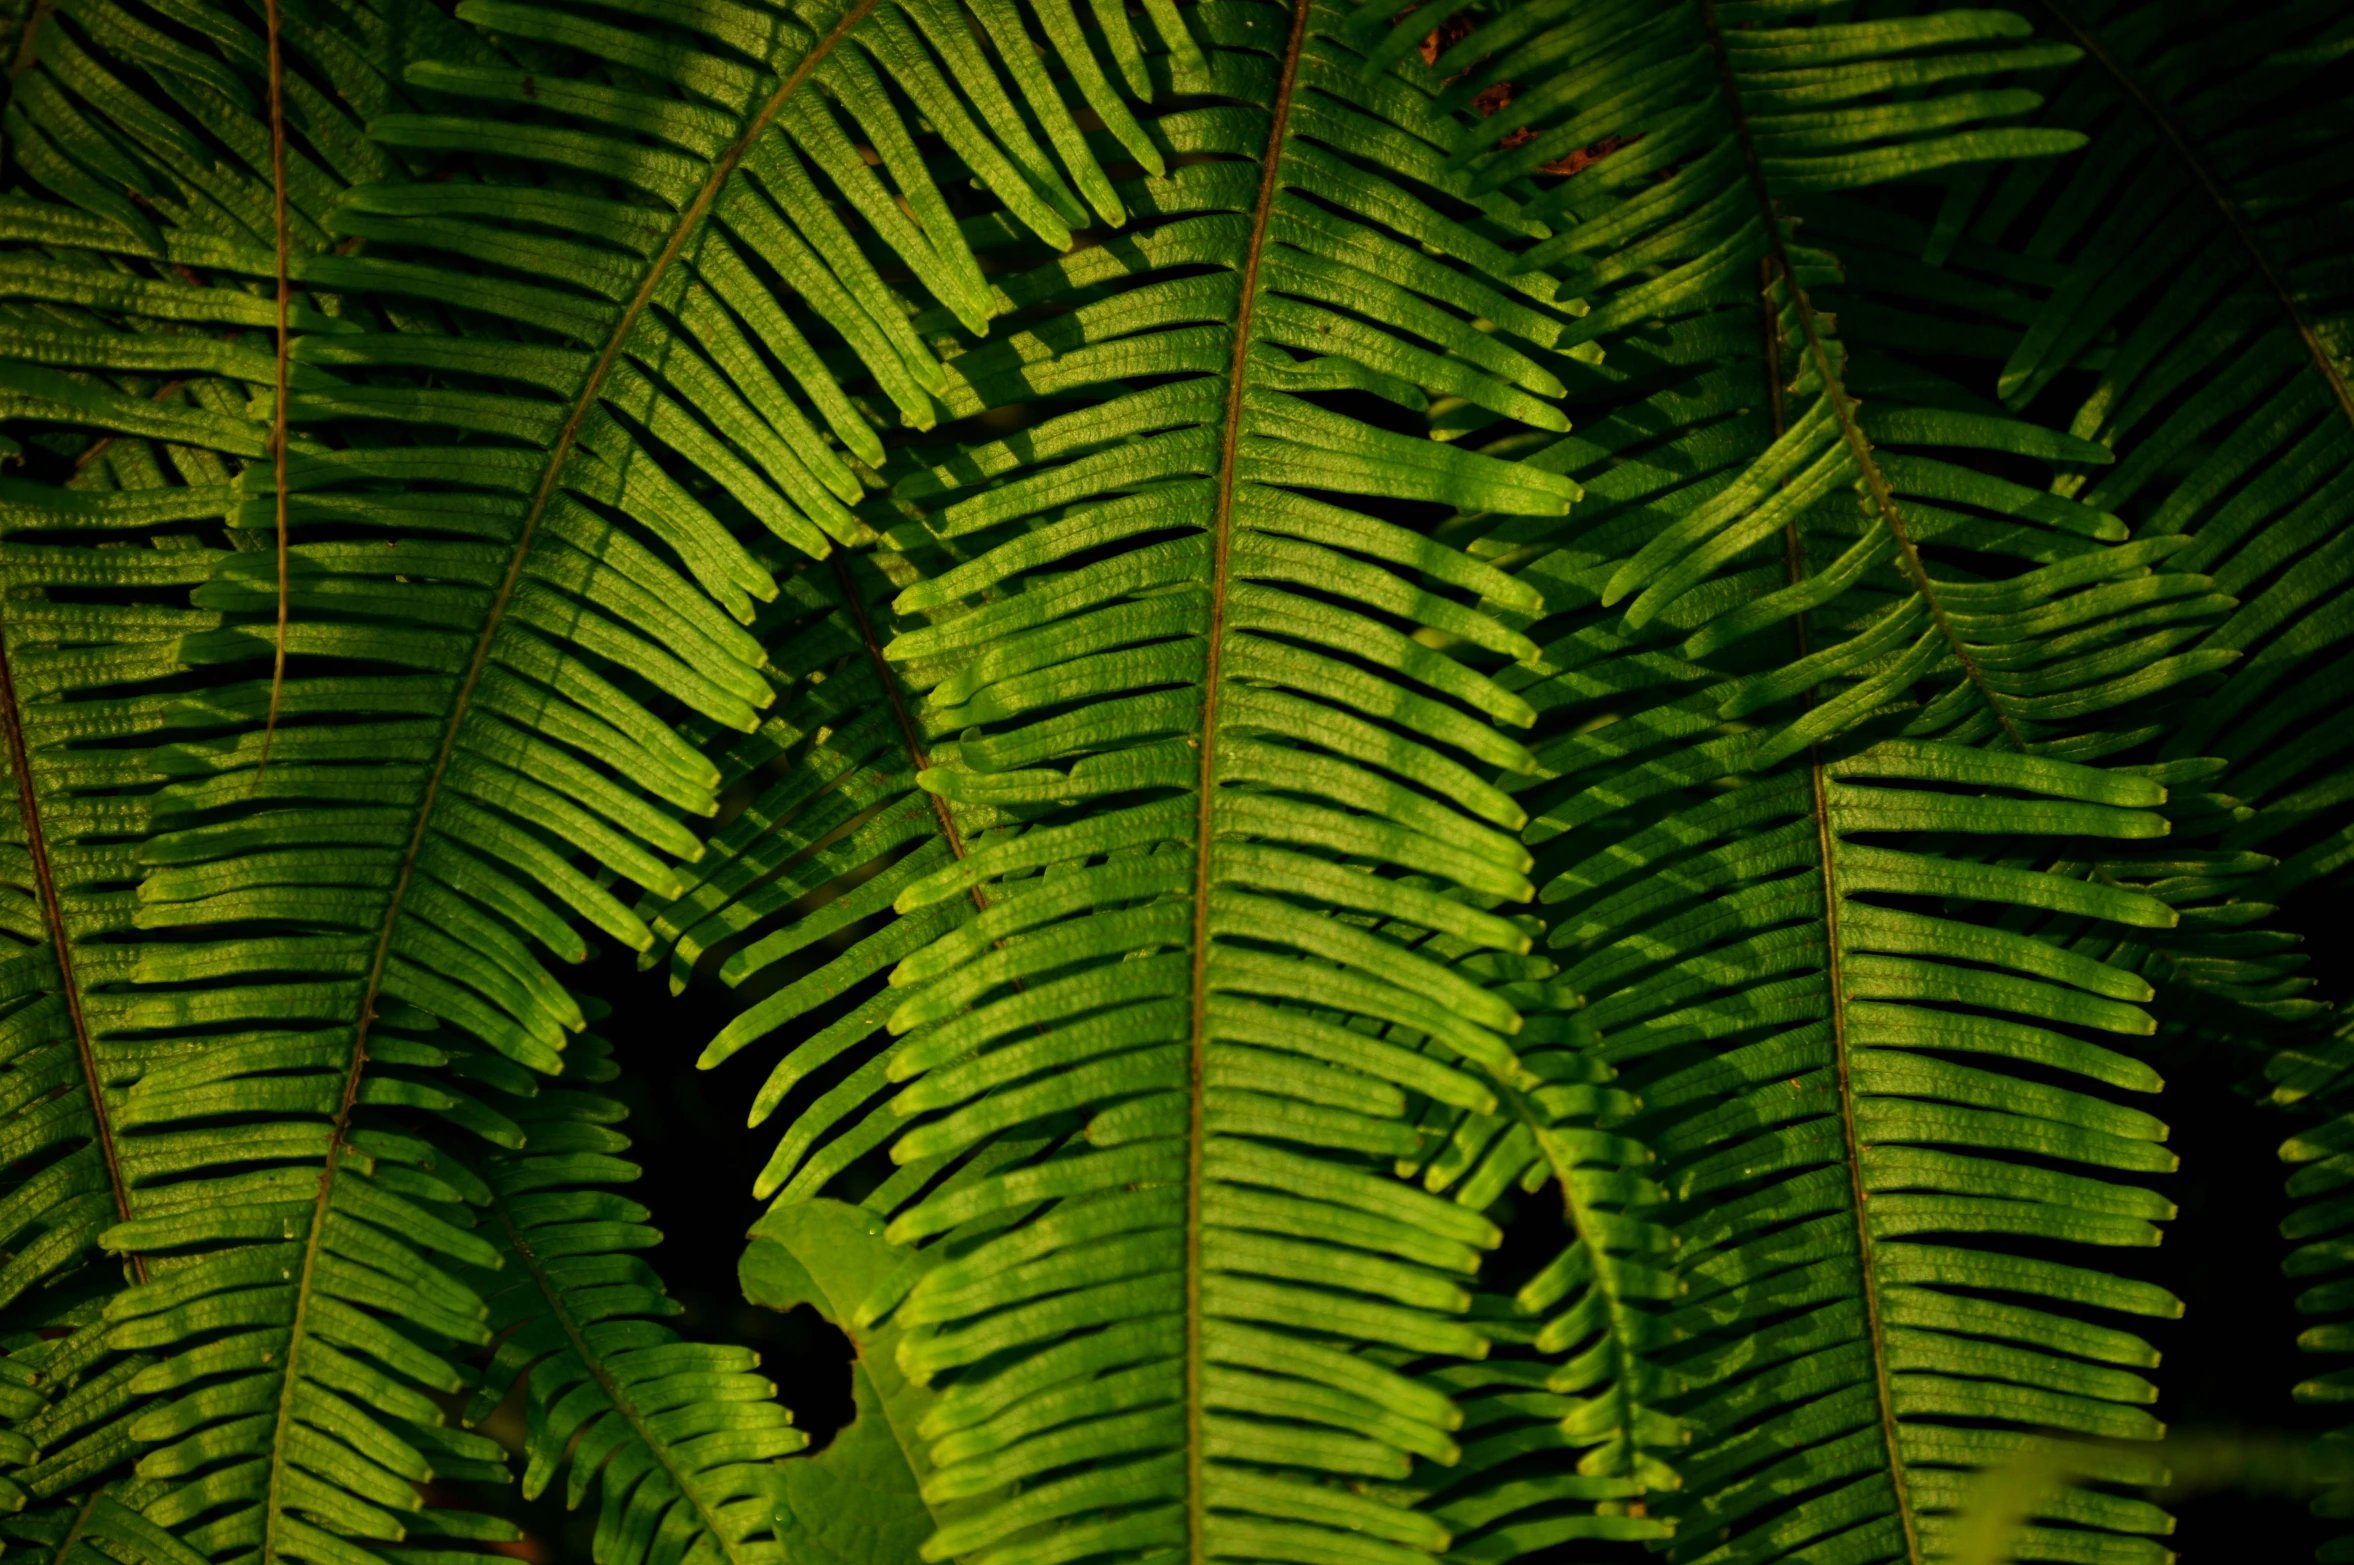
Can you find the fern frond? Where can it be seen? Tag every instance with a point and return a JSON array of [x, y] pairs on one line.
[[800, 883], [1566, 1431], [2318, 1262], [91, 1530], [340, 940], [2086, 639], [1188, 676], [674, 1436], [139, 374], [2186, 266], [121, 335], [703, 308], [1809, 759], [66, 892], [1850, 1135]]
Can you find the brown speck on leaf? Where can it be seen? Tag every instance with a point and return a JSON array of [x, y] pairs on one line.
[[1445, 36], [1586, 157], [530, 88]]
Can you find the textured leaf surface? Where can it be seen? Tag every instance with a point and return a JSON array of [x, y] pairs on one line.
[[1187, 670], [1809, 686], [675, 1437], [859, 1501]]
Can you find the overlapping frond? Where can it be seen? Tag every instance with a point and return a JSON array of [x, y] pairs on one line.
[[70, 858], [673, 1436], [1565, 1431], [140, 323], [2176, 294], [2319, 1261], [1998, 598], [1832, 1083], [144, 241], [1182, 653], [136, 384], [798, 886], [1090, 510], [352, 868], [93, 1529], [702, 306], [1816, 690]]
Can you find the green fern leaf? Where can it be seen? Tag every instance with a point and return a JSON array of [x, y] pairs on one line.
[[1758, 862], [2090, 637], [372, 833], [2191, 305], [91, 1530], [139, 366], [1566, 1433], [844, 827], [60, 1130], [2183, 265], [1198, 749], [674, 1436], [668, 306], [2317, 1262]]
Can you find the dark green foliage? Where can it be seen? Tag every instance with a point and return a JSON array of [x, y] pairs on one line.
[[1450, 762], [1794, 876]]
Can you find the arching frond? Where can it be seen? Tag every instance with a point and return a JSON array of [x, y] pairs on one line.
[[92, 1529], [1951, 571], [703, 311], [349, 870], [2184, 269], [68, 835], [1188, 672], [141, 241], [139, 362], [1817, 694], [2317, 1261], [800, 884], [1566, 1434]]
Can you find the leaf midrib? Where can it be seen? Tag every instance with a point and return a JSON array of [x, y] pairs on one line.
[[73, 1535], [910, 735], [1579, 1214], [590, 1361], [339, 1133], [1221, 538], [2212, 188], [28, 801], [1875, 481], [1819, 795], [26, 45]]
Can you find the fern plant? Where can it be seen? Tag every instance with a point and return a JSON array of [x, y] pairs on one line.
[[1448, 789]]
